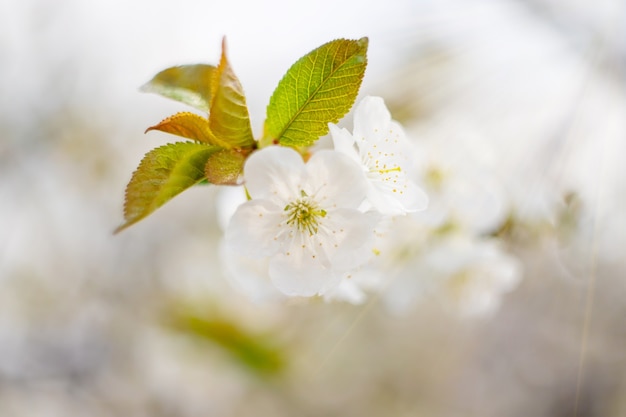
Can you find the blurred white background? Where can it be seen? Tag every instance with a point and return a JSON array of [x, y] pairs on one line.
[[85, 316]]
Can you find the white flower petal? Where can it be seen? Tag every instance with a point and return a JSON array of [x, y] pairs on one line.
[[253, 229], [371, 118], [350, 237], [415, 199], [335, 180], [343, 142], [298, 273], [227, 201], [274, 173], [399, 199]]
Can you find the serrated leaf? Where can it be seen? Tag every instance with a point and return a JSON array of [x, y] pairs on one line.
[[187, 125], [162, 174], [320, 88], [229, 119], [224, 167], [189, 84]]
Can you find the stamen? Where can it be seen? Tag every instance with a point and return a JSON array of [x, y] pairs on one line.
[[388, 170], [304, 214]]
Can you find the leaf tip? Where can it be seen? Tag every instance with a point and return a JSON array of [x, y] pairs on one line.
[[121, 227], [145, 88]]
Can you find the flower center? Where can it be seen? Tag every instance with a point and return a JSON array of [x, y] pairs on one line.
[[304, 213]]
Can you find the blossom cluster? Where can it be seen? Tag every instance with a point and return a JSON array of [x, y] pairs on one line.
[[343, 222]]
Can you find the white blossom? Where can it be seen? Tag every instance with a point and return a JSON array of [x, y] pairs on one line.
[[303, 218], [379, 145], [456, 168], [477, 274], [467, 276]]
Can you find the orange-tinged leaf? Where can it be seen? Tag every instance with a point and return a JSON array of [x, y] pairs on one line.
[[188, 125], [228, 118], [225, 167], [189, 84], [162, 174]]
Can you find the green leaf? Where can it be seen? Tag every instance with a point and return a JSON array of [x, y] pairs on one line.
[[224, 167], [229, 119], [320, 88], [189, 84], [162, 174], [257, 352]]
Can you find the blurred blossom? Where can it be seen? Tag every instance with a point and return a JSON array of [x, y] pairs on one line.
[[475, 275], [467, 274], [456, 168]]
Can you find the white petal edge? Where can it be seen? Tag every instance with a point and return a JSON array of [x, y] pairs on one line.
[[371, 117], [298, 274], [343, 142], [353, 234]]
